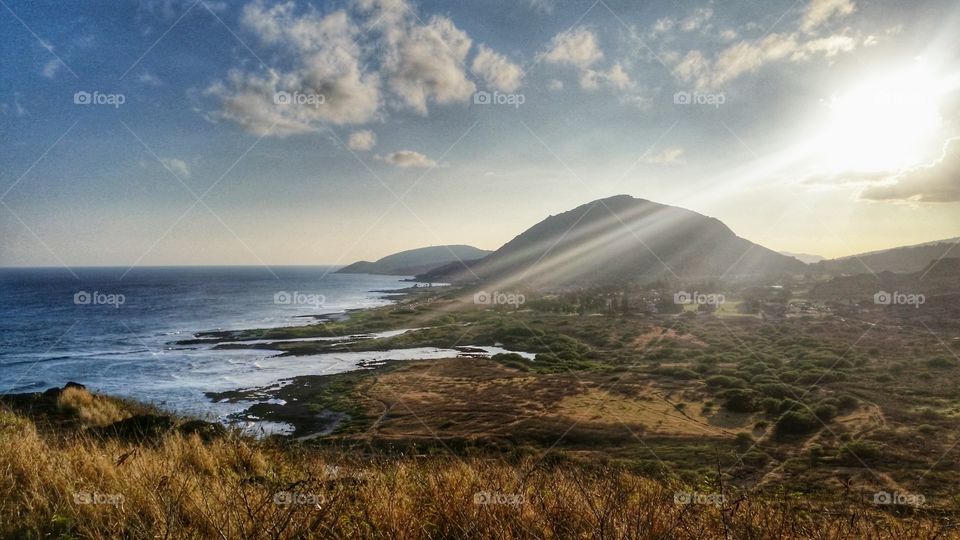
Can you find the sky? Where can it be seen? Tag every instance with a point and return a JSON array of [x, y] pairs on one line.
[[168, 132]]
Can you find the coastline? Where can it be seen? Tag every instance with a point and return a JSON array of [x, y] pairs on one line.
[[377, 340]]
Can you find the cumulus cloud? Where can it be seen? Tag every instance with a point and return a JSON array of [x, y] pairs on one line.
[[543, 6], [579, 48], [179, 167], [51, 68], [423, 62], [496, 71], [362, 140], [667, 156], [820, 11], [406, 159], [346, 67], [326, 76], [937, 182], [748, 56], [576, 47], [696, 20], [712, 71], [149, 79]]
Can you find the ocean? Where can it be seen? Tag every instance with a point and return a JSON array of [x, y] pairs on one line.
[[115, 331]]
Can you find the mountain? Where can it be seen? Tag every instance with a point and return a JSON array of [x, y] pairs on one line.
[[803, 257], [901, 260], [621, 239], [416, 261], [937, 278]]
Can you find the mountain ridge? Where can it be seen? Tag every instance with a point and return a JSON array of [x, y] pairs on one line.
[[617, 239], [416, 261]]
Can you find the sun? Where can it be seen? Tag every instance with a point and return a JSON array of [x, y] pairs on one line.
[[886, 123]]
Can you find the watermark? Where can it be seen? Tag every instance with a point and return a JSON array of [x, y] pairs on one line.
[[287, 498], [495, 497], [884, 298], [497, 298], [698, 298], [695, 98], [497, 98], [86, 497], [904, 499], [297, 298], [299, 98], [82, 97], [97, 298], [684, 497]]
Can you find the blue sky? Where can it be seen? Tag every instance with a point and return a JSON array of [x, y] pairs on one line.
[[823, 126]]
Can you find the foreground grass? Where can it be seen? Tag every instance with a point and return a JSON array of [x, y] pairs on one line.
[[77, 481]]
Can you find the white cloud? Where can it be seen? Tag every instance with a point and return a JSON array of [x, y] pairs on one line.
[[711, 71], [409, 159], [362, 140], [496, 71], [148, 79], [697, 20], [374, 55], [16, 108], [51, 68], [618, 78], [576, 47], [937, 182], [554, 85], [667, 156], [177, 166], [326, 62], [748, 56], [580, 49], [662, 26], [543, 6], [820, 11], [427, 63]]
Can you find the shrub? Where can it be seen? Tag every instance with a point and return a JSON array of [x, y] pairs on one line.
[[738, 400], [723, 381], [795, 423], [825, 411]]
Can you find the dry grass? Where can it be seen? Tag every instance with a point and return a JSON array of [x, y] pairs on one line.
[[91, 410], [74, 485]]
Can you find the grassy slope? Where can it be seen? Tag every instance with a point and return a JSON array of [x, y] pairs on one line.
[[65, 481]]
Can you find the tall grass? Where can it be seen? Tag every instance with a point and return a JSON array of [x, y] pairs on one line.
[[78, 485]]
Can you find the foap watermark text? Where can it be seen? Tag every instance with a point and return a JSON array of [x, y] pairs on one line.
[[684, 97], [498, 298], [299, 98], [896, 298], [97, 298], [698, 298], [297, 298], [83, 97], [498, 98]]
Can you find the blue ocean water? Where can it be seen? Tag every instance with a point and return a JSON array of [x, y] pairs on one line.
[[115, 331]]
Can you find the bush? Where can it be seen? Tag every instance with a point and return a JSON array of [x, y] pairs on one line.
[[723, 381], [770, 405], [778, 390], [743, 441], [738, 400], [825, 411], [677, 372], [795, 423]]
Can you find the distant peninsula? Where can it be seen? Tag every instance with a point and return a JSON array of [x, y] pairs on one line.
[[416, 261]]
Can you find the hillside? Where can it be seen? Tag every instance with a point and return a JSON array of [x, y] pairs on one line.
[[621, 239], [416, 261], [903, 260], [936, 279], [68, 474]]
